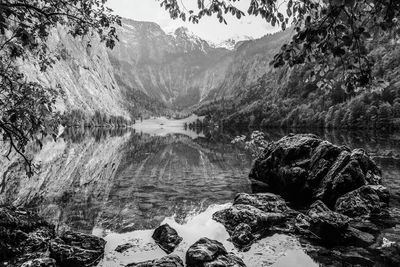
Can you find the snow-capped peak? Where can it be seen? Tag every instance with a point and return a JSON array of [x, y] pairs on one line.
[[231, 43]]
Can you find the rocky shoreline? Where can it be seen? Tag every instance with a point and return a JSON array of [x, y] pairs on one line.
[[330, 198]]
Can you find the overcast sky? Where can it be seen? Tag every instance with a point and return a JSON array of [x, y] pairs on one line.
[[208, 28]]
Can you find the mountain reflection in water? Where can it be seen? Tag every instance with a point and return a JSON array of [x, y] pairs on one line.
[[121, 184]]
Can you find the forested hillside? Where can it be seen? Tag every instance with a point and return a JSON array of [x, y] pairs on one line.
[[286, 98]]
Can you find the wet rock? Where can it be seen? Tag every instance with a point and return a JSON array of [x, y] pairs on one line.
[[251, 215], [23, 236], [255, 218], [124, 247], [264, 201], [206, 252], [167, 238], [167, 261], [330, 226], [366, 200], [387, 246], [303, 168], [77, 249], [40, 262], [357, 237], [242, 236]]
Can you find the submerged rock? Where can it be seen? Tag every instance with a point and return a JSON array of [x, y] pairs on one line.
[[124, 247], [303, 168], [77, 249], [167, 238], [207, 253], [366, 200], [167, 261]]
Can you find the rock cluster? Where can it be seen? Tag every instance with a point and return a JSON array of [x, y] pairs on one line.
[[27, 240], [341, 203]]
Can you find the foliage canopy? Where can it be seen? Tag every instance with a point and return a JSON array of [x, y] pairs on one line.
[[330, 33], [26, 107]]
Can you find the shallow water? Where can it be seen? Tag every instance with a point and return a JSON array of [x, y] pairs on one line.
[[120, 185]]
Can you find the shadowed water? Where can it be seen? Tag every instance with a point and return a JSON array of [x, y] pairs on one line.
[[122, 184]]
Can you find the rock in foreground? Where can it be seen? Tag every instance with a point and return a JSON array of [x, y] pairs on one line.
[[206, 253], [303, 168], [77, 249], [167, 261], [251, 215], [167, 238], [27, 240]]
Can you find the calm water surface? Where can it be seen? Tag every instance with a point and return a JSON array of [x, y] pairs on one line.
[[120, 185]]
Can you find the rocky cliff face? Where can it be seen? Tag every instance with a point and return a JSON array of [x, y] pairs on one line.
[[150, 69], [176, 68], [83, 74], [181, 69]]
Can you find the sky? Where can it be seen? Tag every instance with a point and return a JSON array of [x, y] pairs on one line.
[[208, 28]]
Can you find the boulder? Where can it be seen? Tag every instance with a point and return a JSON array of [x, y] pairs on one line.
[[207, 253], [167, 261], [251, 215], [77, 249], [303, 168], [267, 202], [23, 236], [366, 200], [330, 226], [167, 238], [255, 218]]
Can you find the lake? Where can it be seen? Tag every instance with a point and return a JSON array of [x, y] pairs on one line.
[[122, 184]]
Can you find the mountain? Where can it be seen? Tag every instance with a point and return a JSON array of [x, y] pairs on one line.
[[232, 42], [84, 75], [284, 97], [181, 70], [172, 68], [150, 71]]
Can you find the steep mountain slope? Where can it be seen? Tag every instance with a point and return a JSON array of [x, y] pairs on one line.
[[181, 69], [83, 74], [286, 98], [173, 68]]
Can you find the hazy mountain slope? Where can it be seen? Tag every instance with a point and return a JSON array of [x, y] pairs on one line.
[[250, 61], [173, 68], [182, 69], [84, 74]]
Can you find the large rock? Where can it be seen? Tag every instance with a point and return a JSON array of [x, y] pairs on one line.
[[303, 168], [23, 236], [77, 249], [366, 200], [167, 261], [251, 215], [264, 201], [210, 253], [326, 224], [167, 238]]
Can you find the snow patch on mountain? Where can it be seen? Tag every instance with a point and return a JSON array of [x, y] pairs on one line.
[[232, 42]]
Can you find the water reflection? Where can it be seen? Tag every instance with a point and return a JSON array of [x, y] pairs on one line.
[[173, 174], [122, 183], [277, 250]]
